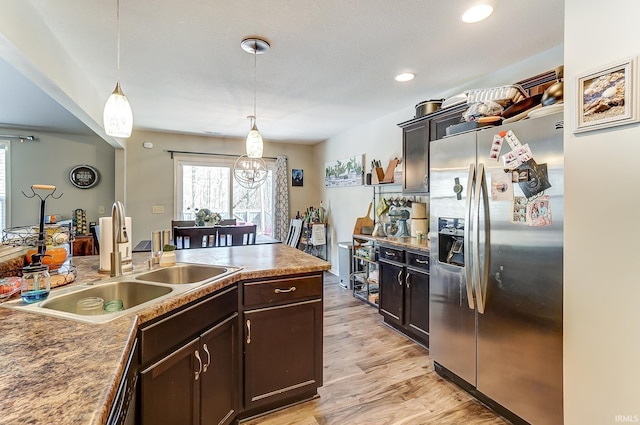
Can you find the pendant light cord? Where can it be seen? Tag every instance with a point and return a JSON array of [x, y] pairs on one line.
[[118, 38], [255, 79]]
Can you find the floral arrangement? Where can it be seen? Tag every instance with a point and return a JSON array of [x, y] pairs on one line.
[[206, 216]]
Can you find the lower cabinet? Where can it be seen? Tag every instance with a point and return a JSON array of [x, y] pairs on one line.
[[199, 367], [404, 291], [220, 380], [197, 382], [282, 341]]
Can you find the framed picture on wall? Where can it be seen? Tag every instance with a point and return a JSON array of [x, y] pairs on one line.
[[297, 177], [344, 172], [607, 96]]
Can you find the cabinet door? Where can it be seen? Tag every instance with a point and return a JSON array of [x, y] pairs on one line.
[[415, 152], [219, 388], [283, 352], [443, 119], [391, 282], [169, 390], [417, 305]]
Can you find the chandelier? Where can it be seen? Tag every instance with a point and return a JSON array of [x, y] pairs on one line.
[[250, 172]]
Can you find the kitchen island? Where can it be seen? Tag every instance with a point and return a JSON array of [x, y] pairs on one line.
[[66, 372]]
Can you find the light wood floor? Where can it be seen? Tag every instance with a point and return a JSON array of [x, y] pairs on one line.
[[375, 376]]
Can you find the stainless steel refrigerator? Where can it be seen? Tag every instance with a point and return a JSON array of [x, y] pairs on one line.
[[496, 233]]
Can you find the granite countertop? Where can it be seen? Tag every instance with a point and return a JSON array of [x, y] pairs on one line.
[[403, 242], [65, 372]]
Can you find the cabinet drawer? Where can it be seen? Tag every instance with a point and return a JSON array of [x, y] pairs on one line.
[[157, 338], [419, 261], [392, 254], [273, 292]]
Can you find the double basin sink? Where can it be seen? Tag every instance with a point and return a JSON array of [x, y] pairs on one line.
[[132, 292]]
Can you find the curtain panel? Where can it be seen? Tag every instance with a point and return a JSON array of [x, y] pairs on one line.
[[281, 207]]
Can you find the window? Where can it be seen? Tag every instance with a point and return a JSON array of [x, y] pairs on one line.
[[4, 184], [207, 182]]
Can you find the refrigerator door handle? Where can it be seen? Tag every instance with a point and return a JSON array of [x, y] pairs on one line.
[[480, 271], [467, 240]]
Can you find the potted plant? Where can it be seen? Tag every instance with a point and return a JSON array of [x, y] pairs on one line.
[[205, 217]]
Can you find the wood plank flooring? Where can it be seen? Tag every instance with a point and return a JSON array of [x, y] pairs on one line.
[[375, 376]]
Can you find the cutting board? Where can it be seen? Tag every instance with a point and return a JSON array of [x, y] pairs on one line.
[[363, 221]]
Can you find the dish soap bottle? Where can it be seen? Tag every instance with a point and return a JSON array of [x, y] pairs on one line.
[[36, 282]]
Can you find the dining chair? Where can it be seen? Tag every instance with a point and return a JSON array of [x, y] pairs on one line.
[[295, 231], [194, 237], [236, 235], [180, 223]]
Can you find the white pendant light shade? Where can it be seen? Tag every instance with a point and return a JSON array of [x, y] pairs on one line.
[[118, 117], [254, 143]]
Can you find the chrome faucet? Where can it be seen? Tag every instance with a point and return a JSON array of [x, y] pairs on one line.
[[119, 233]]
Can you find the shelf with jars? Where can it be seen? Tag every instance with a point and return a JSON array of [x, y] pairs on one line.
[[313, 239]]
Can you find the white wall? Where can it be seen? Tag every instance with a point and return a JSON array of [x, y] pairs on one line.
[[49, 161], [601, 285], [149, 179]]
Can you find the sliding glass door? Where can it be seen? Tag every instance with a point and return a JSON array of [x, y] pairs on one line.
[[207, 182]]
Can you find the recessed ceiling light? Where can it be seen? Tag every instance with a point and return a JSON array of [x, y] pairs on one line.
[[404, 77], [477, 13]]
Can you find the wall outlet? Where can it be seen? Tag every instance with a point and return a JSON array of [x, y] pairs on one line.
[[101, 209], [157, 209]]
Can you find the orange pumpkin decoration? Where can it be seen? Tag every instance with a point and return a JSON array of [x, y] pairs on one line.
[[53, 257]]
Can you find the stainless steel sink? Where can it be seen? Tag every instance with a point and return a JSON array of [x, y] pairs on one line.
[[136, 291], [130, 293], [184, 273]]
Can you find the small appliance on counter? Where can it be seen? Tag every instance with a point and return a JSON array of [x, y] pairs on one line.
[[399, 217]]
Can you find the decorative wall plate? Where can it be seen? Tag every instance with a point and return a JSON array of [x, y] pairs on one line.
[[84, 176]]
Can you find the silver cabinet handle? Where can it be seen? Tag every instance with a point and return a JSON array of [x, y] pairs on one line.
[[400, 278], [248, 331], [284, 291], [199, 371], [419, 261], [206, 365], [390, 253], [407, 281]]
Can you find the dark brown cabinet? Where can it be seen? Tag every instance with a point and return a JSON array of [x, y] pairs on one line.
[[168, 390], [282, 341], [196, 381], [404, 291], [219, 388], [416, 135], [415, 151]]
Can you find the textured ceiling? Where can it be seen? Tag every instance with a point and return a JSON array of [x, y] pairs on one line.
[[330, 67]]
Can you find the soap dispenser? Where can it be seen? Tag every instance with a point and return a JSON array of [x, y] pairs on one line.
[[36, 282]]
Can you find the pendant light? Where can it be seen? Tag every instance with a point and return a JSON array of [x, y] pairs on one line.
[[250, 170], [255, 46], [117, 116]]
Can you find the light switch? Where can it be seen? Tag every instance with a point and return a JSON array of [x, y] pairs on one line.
[[157, 209]]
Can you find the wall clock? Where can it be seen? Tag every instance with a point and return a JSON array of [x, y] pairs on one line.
[[84, 176]]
